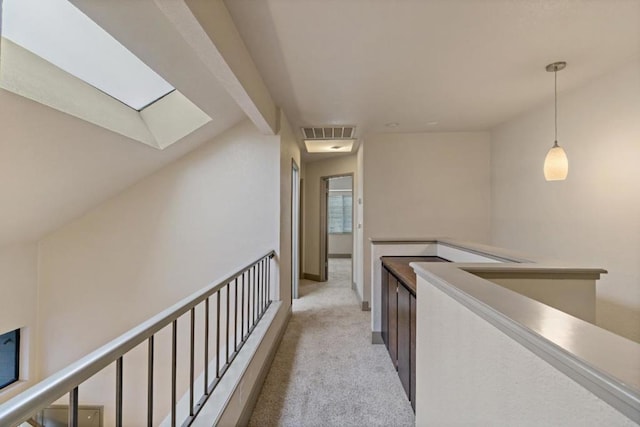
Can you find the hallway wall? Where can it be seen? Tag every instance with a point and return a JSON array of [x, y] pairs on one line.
[[237, 412], [289, 151], [341, 244], [358, 241], [592, 218], [425, 185], [18, 307], [192, 223], [314, 171]]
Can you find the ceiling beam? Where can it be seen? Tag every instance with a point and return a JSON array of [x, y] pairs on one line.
[[208, 28]]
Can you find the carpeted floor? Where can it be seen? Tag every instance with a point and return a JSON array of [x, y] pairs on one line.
[[326, 371]]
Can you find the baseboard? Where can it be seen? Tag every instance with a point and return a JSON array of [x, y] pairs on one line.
[[354, 287], [314, 277], [252, 400], [364, 305], [339, 256], [376, 337]]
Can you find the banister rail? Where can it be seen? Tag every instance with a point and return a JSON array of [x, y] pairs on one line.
[[252, 283]]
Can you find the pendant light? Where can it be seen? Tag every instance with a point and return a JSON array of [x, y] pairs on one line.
[[556, 165]]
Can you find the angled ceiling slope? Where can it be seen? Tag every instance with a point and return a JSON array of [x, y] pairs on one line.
[[55, 166], [73, 79]]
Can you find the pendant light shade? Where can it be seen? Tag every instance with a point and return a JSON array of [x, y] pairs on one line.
[[556, 164]]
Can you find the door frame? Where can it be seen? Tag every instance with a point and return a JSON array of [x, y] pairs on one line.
[[296, 227], [324, 226]]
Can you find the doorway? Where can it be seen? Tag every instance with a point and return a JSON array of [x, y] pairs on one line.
[[337, 228], [295, 229]]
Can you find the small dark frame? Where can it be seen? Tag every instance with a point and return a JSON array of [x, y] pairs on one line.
[[16, 365]]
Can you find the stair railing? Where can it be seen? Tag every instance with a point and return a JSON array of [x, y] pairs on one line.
[[251, 288]]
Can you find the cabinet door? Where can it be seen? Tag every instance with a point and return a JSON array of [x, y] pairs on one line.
[[392, 316], [404, 338], [384, 329], [412, 395]]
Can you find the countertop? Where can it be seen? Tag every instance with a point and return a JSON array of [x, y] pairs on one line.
[[400, 268]]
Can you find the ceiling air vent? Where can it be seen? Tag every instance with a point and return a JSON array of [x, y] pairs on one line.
[[339, 132]]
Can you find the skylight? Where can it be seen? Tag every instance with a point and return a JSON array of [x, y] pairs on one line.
[[61, 34]]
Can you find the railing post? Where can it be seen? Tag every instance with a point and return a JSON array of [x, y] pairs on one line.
[[174, 369], [206, 346], [255, 299], [269, 279], [260, 280], [119, 392], [264, 284], [192, 356], [218, 334], [242, 311], [150, 382], [235, 318], [226, 361], [73, 407]]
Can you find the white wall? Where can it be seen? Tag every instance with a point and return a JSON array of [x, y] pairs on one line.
[[340, 244], [471, 373], [237, 413], [592, 218], [55, 167], [191, 224], [18, 308], [289, 153], [314, 171], [425, 185], [358, 241]]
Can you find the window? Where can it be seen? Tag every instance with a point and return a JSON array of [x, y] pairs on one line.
[[340, 207], [9, 358], [54, 54], [61, 34]]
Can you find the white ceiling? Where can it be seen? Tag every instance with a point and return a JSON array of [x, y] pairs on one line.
[[468, 65], [55, 167]]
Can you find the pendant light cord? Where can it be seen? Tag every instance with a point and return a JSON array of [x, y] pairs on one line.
[[555, 104]]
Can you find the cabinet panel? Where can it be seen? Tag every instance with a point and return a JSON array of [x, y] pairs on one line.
[[404, 338], [385, 300], [412, 395], [392, 316], [398, 313]]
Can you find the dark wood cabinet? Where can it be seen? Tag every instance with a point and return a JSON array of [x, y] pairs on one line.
[[412, 323], [398, 311], [385, 301], [392, 314], [404, 338]]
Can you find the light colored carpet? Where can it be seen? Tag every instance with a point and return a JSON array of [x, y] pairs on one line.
[[326, 371]]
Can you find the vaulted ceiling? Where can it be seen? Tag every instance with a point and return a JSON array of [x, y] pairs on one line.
[[54, 167], [467, 65]]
